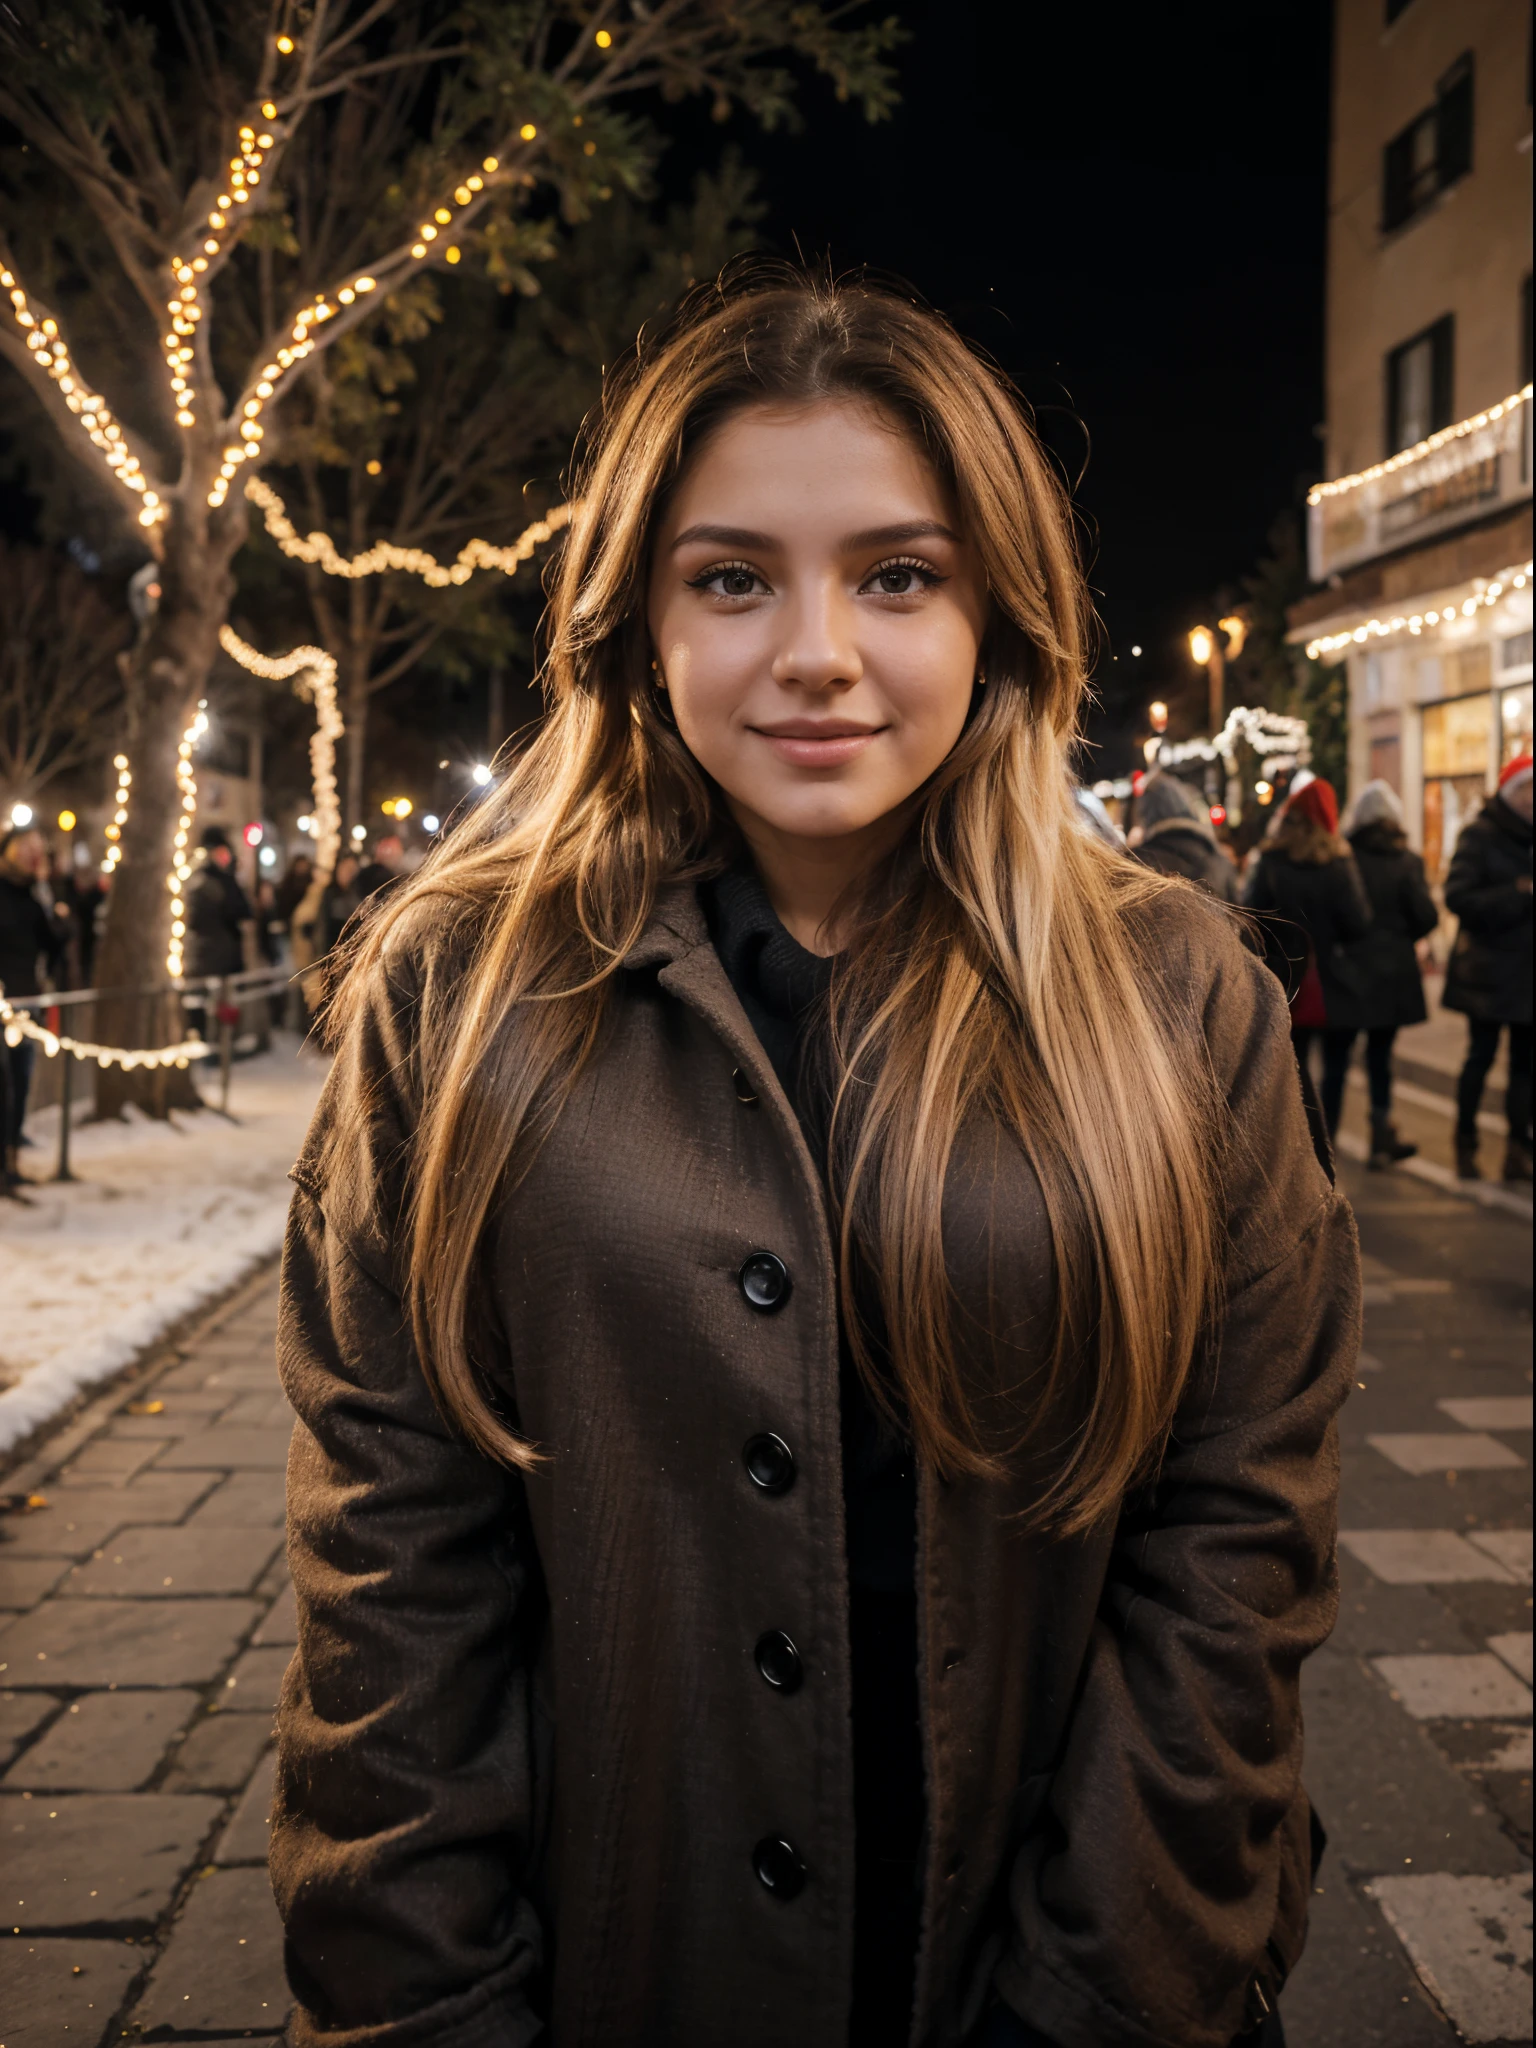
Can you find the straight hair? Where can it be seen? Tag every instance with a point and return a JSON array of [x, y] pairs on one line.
[[996, 967]]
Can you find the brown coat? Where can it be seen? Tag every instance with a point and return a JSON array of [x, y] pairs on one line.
[[525, 1751]]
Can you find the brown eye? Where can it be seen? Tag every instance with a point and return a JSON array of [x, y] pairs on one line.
[[737, 582], [897, 581]]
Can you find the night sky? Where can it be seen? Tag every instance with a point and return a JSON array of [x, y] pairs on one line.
[[1126, 207]]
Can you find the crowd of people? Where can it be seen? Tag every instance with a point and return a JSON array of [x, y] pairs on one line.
[[52, 911], [1343, 911]]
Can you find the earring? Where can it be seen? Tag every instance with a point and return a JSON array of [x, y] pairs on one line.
[[979, 682], [661, 681]]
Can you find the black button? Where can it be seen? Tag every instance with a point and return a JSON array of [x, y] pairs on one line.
[[745, 1092], [778, 1866], [779, 1661], [764, 1279], [770, 1462]]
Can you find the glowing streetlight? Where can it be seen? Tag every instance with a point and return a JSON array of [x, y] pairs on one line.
[[21, 816], [1205, 651], [431, 822], [67, 821], [1236, 630], [1157, 715], [480, 774]]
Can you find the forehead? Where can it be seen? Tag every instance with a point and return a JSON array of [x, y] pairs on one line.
[[825, 458]]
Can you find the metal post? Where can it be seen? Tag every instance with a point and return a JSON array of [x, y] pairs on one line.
[[66, 1090], [226, 1045]]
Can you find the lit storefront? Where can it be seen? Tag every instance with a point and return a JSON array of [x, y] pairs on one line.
[[1427, 559]]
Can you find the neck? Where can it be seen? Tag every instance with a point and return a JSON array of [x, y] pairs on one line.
[[806, 879]]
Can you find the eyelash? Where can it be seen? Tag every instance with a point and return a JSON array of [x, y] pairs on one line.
[[927, 575]]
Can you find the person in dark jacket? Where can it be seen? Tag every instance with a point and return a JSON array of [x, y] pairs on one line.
[[28, 938], [338, 902], [1382, 988], [217, 910], [1177, 837], [1307, 890], [1489, 978]]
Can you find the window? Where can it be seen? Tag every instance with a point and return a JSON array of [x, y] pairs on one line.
[[1432, 152], [1421, 385]]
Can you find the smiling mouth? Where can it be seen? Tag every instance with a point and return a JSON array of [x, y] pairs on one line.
[[818, 742]]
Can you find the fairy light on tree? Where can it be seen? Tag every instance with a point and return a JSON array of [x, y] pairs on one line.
[[178, 244]]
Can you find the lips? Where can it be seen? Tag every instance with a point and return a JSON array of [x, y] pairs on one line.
[[818, 742]]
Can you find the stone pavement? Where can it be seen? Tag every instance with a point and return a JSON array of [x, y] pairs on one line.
[[1419, 1708], [145, 1623], [150, 1622]]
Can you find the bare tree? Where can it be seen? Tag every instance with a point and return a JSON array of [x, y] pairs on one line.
[[212, 197], [61, 691]]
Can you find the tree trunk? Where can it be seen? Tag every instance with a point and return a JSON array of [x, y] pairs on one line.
[[166, 674], [355, 712]]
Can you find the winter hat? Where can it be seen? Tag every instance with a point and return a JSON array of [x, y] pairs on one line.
[[215, 836], [1164, 800], [1514, 774], [1317, 802], [1377, 804]]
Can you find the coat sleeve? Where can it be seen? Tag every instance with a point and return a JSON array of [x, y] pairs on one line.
[[403, 1828], [1484, 905], [1171, 1874]]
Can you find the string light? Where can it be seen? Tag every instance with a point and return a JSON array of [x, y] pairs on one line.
[[1420, 449], [181, 859], [245, 171], [317, 673], [186, 308], [51, 354], [383, 557], [18, 1024], [114, 852], [1414, 623], [1282, 740]]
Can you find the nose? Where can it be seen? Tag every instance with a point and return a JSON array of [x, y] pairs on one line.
[[819, 650]]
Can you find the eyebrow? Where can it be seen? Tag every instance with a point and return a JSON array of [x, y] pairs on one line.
[[871, 537]]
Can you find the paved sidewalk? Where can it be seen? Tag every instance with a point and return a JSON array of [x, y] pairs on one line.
[[1419, 1708], [152, 1623], [145, 1623]]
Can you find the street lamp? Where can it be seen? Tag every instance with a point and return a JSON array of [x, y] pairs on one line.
[[1206, 652], [1157, 715]]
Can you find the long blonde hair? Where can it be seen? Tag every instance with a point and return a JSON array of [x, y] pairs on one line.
[[994, 968]]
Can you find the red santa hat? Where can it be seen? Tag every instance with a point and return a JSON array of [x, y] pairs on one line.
[[1514, 774]]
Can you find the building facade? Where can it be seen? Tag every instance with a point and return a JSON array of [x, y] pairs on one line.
[[1420, 540]]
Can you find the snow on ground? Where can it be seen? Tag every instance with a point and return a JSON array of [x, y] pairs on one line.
[[162, 1219]]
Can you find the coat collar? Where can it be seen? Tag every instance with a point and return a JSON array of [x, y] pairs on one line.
[[674, 929]]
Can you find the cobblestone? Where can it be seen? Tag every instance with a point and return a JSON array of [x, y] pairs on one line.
[[156, 1619], [219, 1753], [62, 1992], [105, 1742], [90, 1643], [223, 1966], [96, 1860], [149, 1563]]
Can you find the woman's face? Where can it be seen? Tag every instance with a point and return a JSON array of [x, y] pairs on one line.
[[816, 618]]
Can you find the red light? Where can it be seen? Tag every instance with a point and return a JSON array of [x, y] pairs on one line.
[[1136, 782], [253, 835], [1218, 814]]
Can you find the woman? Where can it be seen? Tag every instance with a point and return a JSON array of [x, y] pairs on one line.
[[1177, 837], [815, 1319], [1387, 989], [1307, 889]]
